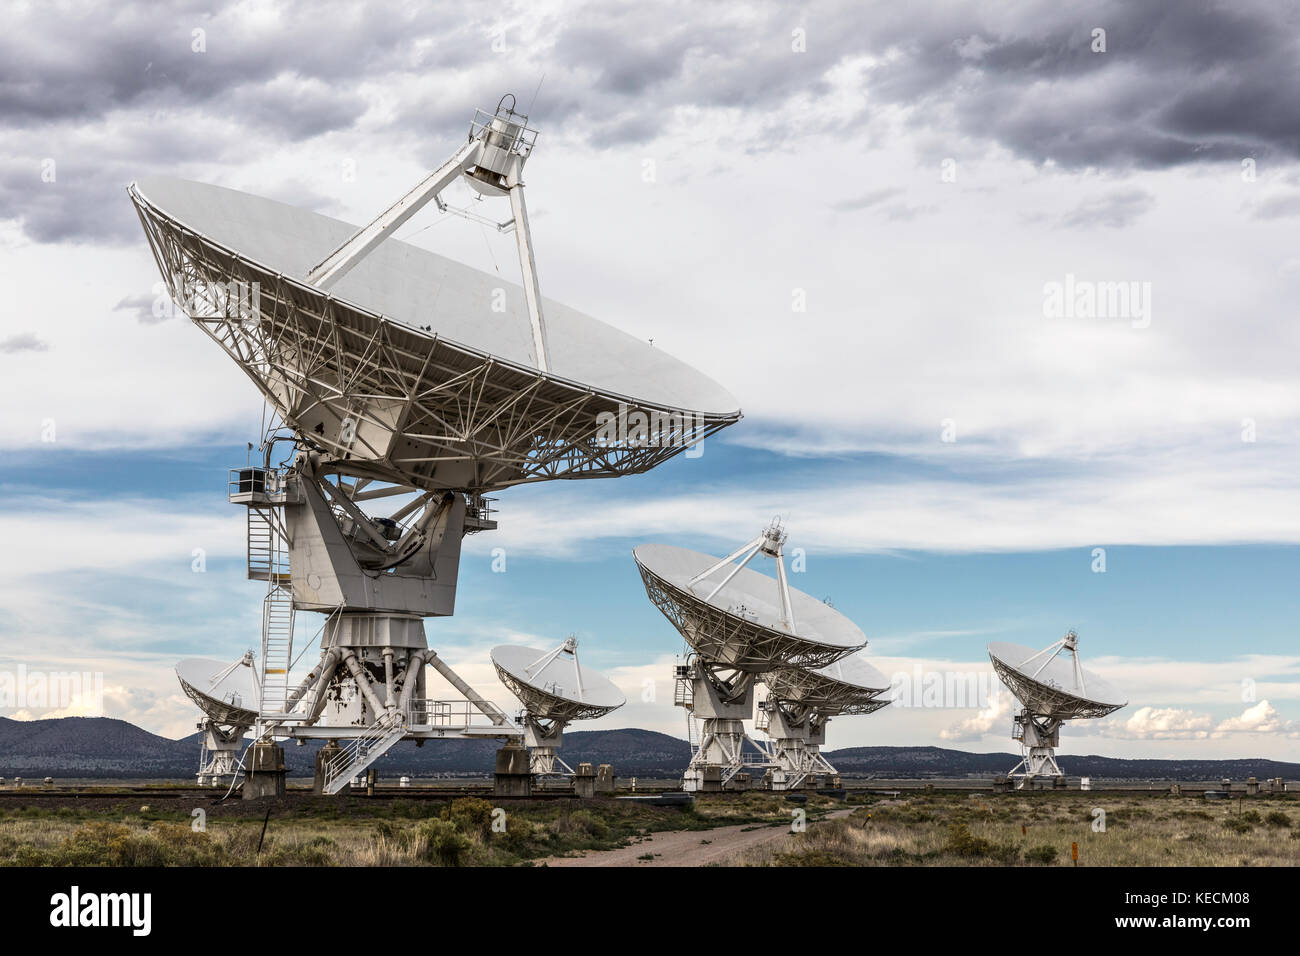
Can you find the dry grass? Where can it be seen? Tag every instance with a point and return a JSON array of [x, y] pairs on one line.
[[1038, 829], [457, 832]]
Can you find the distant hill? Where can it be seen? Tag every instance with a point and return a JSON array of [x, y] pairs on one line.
[[90, 747], [938, 762], [102, 747]]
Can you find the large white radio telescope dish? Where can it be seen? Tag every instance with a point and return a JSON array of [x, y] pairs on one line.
[[404, 367], [226, 693], [740, 625], [553, 684], [1055, 686], [851, 685]]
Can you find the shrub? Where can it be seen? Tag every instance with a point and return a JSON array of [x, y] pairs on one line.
[[1277, 819], [962, 842], [471, 815], [1043, 854], [811, 858], [584, 821], [444, 843], [114, 844], [1237, 824]]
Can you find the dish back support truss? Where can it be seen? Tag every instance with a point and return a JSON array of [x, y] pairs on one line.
[[395, 402]]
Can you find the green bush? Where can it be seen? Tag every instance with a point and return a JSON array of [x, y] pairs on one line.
[[115, 844], [1237, 824], [1277, 819], [962, 842], [586, 822], [444, 843], [471, 815], [1043, 854]]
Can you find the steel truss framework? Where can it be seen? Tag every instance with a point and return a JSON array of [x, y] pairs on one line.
[[822, 694], [1039, 736], [727, 639], [317, 358], [219, 748], [1048, 701], [795, 730]]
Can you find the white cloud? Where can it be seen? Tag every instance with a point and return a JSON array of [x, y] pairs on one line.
[[995, 716], [1160, 723], [1262, 718]]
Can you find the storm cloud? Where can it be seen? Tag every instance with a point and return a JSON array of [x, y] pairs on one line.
[[115, 92]]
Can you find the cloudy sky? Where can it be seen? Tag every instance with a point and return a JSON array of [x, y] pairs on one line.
[[880, 226]]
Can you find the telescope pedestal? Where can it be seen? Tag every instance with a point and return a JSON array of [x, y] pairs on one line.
[[722, 710], [219, 756], [265, 775], [1039, 737], [543, 743], [794, 747], [514, 775]]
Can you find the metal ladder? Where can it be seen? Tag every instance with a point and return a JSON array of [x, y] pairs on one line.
[[268, 554], [277, 649], [268, 560], [358, 755]]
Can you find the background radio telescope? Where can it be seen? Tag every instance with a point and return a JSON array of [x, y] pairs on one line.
[[801, 703], [228, 695], [400, 394], [851, 685], [1052, 687], [738, 624], [555, 689]]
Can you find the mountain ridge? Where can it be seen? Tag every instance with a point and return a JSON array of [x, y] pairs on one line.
[[106, 747]]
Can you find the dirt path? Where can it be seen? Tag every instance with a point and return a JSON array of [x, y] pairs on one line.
[[687, 847]]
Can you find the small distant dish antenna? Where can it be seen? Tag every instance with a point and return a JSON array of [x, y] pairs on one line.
[[555, 689], [228, 695], [1052, 686], [738, 624]]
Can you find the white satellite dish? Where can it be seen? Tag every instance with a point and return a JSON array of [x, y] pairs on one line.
[[406, 382], [739, 617], [1052, 686], [228, 695], [802, 702], [555, 689], [1052, 682], [851, 685], [739, 623], [225, 692], [403, 370], [553, 684]]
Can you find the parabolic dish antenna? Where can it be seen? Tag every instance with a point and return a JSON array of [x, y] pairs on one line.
[[1052, 684], [225, 692], [1053, 687], [394, 373], [851, 685], [553, 685], [555, 689], [413, 368], [734, 615]]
